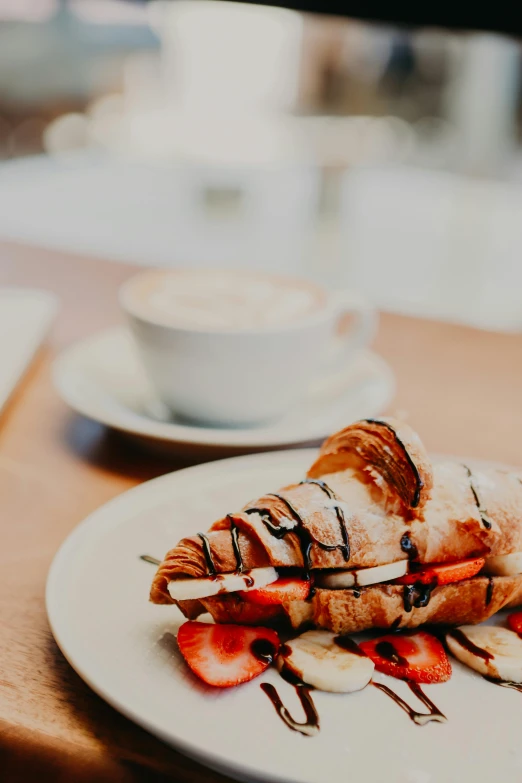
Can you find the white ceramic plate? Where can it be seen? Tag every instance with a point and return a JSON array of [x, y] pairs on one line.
[[102, 378], [124, 648]]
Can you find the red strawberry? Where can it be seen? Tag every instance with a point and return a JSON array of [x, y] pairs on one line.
[[225, 655], [443, 574], [515, 622], [419, 657], [285, 589]]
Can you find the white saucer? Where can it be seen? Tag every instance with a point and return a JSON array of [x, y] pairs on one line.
[[124, 648], [102, 378]]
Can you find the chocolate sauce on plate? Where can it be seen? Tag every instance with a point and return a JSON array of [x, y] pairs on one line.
[[211, 566], [310, 727], [468, 645], [419, 484], [484, 516], [150, 559], [516, 686], [419, 718], [417, 595]]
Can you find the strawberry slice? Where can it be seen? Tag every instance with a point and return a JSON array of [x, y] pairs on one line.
[[515, 622], [418, 657], [443, 573], [225, 655], [284, 589]]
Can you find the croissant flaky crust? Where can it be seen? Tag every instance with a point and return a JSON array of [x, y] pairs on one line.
[[388, 447], [372, 497]]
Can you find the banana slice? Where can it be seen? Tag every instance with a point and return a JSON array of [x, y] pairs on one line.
[[187, 589], [336, 580], [329, 665], [490, 650], [504, 565]]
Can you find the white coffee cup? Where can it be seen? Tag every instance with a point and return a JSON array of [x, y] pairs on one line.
[[240, 348]]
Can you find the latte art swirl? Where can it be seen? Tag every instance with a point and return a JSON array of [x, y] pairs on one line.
[[218, 301]]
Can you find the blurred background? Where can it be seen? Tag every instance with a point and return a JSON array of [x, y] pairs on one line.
[[202, 133]]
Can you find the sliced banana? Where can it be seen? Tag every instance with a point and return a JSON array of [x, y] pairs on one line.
[[317, 659], [504, 565], [336, 580], [490, 650], [187, 589]]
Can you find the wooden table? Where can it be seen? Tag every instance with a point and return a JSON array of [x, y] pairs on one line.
[[461, 388]]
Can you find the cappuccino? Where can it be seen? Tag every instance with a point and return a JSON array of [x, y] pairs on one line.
[[236, 349], [222, 300]]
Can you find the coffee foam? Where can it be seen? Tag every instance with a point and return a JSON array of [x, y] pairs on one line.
[[222, 300]]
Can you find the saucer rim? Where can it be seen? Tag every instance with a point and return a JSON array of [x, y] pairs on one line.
[[174, 433]]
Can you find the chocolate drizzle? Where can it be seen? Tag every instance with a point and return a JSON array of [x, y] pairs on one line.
[[468, 645], [516, 686], [419, 484], [211, 566], [389, 652], [264, 650], [417, 595], [235, 544], [248, 579], [484, 516], [344, 548], [266, 515], [419, 718], [489, 590], [348, 644], [303, 534], [409, 547], [279, 531], [396, 623], [150, 559], [310, 727]]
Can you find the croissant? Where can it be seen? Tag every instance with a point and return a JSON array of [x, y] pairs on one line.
[[371, 506]]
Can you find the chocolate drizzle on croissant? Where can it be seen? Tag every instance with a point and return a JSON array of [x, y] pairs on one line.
[[345, 546], [415, 498], [305, 537], [371, 498], [211, 568], [486, 521], [387, 448]]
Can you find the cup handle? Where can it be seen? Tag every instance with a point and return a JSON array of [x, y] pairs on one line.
[[356, 335]]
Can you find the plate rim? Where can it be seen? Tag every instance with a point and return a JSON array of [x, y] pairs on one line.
[[183, 434], [96, 522]]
